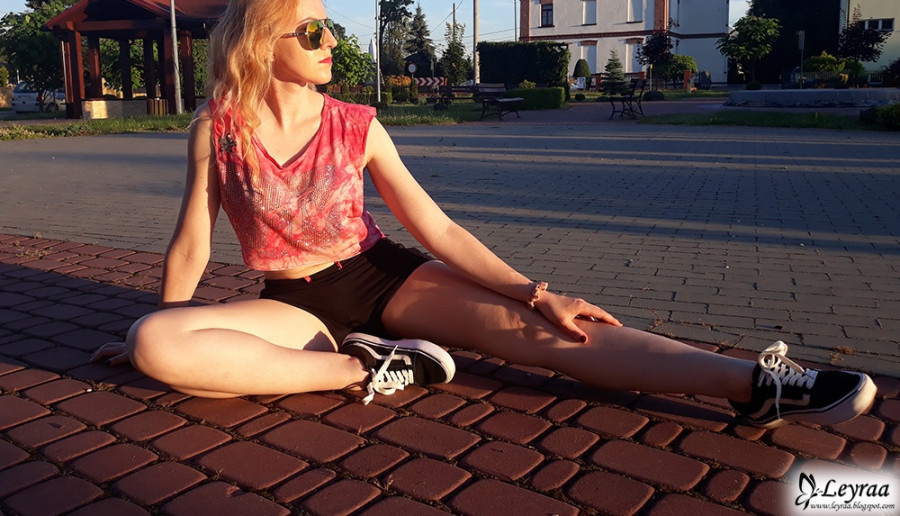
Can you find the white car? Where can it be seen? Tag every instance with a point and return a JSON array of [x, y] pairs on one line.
[[25, 99]]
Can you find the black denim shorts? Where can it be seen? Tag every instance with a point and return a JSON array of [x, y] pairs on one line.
[[351, 296]]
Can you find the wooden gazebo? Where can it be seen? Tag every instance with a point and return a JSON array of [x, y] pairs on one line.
[[125, 21]]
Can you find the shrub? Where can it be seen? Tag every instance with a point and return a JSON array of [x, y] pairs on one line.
[[672, 69], [889, 116], [579, 97], [540, 98], [891, 74], [823, 62], [654, 95], [527, 85], [868, 116], [386, 98], [754, 85], [581, 69], [4, 76]]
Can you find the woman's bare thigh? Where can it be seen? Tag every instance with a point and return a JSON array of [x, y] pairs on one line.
[[438, 304], [273, 321]]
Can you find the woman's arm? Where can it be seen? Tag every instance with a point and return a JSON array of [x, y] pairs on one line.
[[455, 246], [189, 249]]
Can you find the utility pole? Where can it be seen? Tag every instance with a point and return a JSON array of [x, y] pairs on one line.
[[377, 54], [179, 107], [477, 75], [515, 23]]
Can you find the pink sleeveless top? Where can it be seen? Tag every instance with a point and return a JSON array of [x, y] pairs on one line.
[[308, 212]]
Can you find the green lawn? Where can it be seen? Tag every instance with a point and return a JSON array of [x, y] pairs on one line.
[[424, 114], [763, 119]]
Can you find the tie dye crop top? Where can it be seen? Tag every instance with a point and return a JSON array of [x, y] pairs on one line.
[[308, 212]]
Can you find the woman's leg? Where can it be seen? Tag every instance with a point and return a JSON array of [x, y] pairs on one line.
[[251, 347], [438, 304]]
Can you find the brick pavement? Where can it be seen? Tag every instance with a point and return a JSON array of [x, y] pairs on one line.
[[499, 439], [726, 237]]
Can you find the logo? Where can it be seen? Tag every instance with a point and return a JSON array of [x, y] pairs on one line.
[[831, 490]]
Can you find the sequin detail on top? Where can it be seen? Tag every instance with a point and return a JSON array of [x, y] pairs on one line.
[[309, 211]]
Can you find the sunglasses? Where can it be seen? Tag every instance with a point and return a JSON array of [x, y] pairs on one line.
[[314, 32]]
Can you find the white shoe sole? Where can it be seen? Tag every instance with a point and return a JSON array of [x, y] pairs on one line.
[[842, 411]]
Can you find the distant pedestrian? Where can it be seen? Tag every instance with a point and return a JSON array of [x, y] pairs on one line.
[[343, 306]]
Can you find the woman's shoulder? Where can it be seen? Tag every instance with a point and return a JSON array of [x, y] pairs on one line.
[[348, 110]]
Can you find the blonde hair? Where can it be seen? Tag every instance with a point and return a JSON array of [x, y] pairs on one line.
[[240, 61]]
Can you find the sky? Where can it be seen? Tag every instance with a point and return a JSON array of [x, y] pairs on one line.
[[496, 17]]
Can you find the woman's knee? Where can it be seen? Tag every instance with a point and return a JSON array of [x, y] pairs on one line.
[[147, 341]]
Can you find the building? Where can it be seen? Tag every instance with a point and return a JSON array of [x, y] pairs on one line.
[[879, 15], [593, 28]]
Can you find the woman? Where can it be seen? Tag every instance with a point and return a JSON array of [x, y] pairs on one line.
[[286, 163]]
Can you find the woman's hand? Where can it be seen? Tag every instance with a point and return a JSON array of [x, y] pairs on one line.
[[562, 311], [113, 353]]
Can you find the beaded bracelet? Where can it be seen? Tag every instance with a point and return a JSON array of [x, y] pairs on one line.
[[539, 286]]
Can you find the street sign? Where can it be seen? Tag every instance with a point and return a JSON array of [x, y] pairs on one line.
[[431, 81]]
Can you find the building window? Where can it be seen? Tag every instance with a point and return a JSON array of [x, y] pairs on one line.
[[884, 25], [590, 12], [546, 15], [635, 11]]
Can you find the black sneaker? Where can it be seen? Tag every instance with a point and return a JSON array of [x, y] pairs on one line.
[[784, 392], [394, 364]]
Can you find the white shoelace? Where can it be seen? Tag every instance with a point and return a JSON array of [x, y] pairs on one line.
[[387, 382], [782, 371]]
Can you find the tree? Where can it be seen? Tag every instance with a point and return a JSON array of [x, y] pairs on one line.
[[672, 69], [819, 20], [655, 49], [391, 34], [857, 43], [32, 52], [419, 47], [614, 82], [749, 41], [351, 65], [454, 64]]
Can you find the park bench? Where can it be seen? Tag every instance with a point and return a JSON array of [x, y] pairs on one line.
[[629, 104], [494, 100], [450, 93]]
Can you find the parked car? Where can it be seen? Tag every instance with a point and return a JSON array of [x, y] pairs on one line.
[[26, 99]]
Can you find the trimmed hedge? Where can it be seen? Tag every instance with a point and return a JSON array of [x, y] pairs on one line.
[[889, 116], [540, 98], [542, 62]]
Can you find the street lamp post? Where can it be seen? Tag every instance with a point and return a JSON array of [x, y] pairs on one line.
[[179, 107]]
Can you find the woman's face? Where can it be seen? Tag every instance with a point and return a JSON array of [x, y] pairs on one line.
[[294, 60]]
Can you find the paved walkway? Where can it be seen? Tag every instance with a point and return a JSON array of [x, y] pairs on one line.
[[728, 238]]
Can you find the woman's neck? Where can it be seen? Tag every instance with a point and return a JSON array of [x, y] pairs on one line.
[[286, 104]]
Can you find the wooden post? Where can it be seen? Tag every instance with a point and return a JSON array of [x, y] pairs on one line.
[[125, 68], [186, 54], [74, 75], [150, 69], [168, 84], [96, 86]]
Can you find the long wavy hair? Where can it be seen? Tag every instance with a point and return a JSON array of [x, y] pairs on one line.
[[240, 61]]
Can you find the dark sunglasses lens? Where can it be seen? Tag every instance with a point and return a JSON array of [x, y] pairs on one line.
[[315, 31]]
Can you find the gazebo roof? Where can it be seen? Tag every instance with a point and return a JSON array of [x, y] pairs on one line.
[[112, 18]]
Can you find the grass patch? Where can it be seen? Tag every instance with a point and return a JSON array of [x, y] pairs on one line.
[[424, 114], [396, 115], [814, 120], [97, 127], [592, 95]]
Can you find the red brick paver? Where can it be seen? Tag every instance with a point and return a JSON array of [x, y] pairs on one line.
[[500, 439]]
